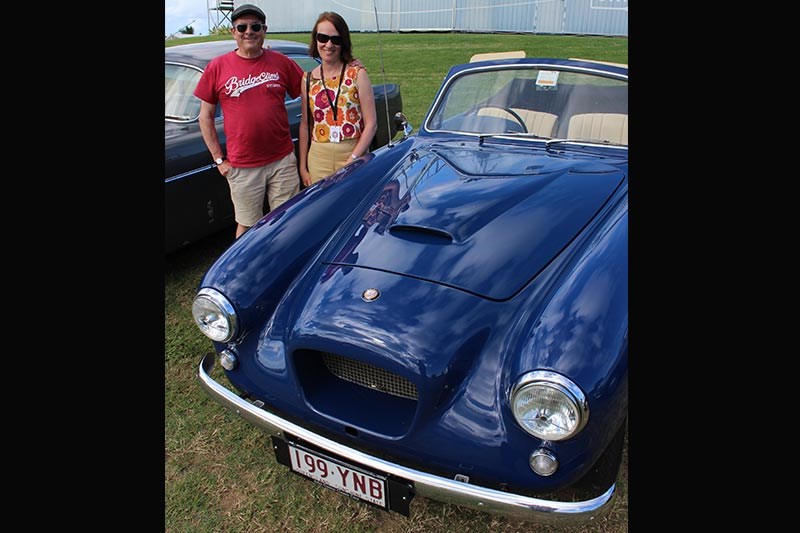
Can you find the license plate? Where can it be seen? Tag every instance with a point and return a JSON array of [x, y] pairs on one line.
[[338, 476]]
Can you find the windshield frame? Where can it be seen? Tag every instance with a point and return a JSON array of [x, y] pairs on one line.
[[612, 72]]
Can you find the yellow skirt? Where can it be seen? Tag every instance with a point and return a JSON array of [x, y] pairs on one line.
[[326, 158]]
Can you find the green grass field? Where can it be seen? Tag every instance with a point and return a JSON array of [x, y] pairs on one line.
[[220, 472]]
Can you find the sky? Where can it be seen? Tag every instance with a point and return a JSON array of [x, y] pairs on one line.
[[179, 13]]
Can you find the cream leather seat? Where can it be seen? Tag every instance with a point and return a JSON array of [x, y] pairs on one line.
[[537, 122], [612, 127]]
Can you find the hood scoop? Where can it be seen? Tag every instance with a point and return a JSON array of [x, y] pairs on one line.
[[486, 226], [421, 234]]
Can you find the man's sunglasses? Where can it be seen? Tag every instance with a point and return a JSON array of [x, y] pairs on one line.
[[335, 39], [241, 28]]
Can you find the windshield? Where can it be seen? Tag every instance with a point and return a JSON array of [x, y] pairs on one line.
[[179, 84], [535, 101]]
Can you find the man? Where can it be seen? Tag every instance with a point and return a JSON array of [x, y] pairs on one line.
[[251, 83]]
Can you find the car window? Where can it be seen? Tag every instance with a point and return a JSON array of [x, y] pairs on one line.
[[306, 63], [179, 101]]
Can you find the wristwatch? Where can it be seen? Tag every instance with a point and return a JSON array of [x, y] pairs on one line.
[[218, 161]]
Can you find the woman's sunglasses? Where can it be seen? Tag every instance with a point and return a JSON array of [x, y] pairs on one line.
[[335, 39], [241, 28]]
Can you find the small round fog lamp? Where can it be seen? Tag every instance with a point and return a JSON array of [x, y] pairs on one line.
[[543, 462], [227, 360]]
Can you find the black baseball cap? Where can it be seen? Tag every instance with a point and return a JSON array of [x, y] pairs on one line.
[[244, 9]]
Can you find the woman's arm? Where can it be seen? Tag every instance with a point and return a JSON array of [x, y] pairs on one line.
[[302, 146], [366, 98]]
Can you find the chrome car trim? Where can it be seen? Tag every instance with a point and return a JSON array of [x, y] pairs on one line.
[[223, 304], [426, 485], [189, 173], [182, 64], [565, 384]]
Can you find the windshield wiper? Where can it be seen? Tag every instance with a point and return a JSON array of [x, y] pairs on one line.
[[585, 141], [509, 134], [178, 117]]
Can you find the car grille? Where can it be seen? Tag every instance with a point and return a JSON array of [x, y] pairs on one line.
[[369, 376]]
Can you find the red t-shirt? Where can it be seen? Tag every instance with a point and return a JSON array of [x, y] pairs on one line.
[[252, 92]]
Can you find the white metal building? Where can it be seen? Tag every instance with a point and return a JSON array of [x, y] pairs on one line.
[[574, 17]]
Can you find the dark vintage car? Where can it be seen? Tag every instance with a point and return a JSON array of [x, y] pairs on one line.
[[196, 197], [447, 316]]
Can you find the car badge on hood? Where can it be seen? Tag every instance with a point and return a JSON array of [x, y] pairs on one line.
[[370, 295]]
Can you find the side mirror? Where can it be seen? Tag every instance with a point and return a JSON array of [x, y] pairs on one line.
[[401, 124]]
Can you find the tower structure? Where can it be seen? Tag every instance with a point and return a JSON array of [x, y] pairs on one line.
[[219, 11]]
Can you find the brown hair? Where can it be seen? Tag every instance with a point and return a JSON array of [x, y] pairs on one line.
[[341, 26]]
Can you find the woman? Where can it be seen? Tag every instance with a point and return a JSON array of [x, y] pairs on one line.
[[339, 104]]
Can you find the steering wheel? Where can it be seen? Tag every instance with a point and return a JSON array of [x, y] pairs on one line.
[[513, 114]]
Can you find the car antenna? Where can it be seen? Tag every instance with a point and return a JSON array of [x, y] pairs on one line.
[[383, 73]]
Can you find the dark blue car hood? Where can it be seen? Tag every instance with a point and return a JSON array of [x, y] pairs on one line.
[[485, 221]]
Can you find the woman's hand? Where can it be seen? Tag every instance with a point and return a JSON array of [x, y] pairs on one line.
[[305, 177]]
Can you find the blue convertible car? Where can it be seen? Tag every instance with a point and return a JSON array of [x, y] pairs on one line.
[[447, 317]]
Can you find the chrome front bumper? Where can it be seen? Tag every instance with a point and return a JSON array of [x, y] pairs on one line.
[[426, 485]]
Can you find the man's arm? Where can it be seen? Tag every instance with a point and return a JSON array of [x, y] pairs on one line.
[[209, 131]]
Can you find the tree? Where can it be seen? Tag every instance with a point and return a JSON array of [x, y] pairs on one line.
[[187, 30]]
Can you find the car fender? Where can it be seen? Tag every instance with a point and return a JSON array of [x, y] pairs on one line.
[[292, 234], [582, 331]]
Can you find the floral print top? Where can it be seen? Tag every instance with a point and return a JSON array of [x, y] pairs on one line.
[[348, 114]]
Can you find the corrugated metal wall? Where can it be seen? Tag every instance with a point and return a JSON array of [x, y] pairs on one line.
[[581, 17]]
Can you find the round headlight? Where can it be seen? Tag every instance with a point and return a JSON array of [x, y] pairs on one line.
[[214, 315], [548, 405]]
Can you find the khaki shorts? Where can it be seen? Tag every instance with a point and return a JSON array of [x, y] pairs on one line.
[[326, 158], [278, 179]]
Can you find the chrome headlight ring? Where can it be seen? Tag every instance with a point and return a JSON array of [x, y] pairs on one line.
[[215, 315], [548, 405]]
